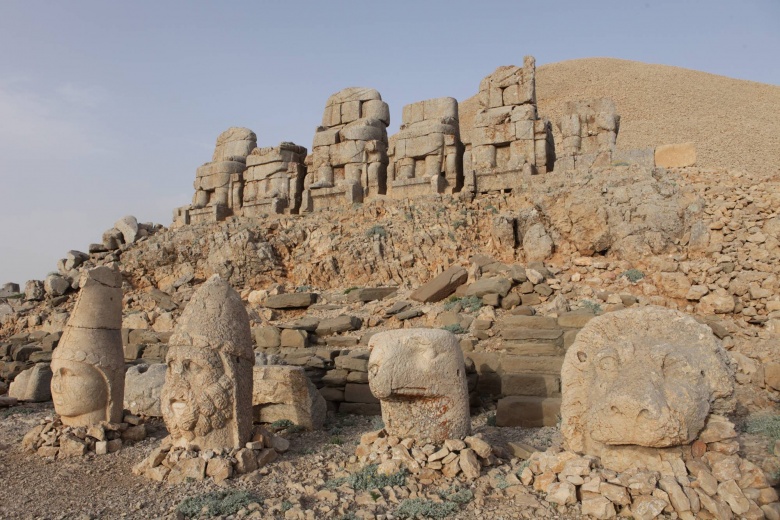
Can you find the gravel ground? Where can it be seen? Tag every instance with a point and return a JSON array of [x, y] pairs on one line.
[[103, 487]]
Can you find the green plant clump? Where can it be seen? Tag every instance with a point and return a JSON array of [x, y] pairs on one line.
[[367, 478], [349, 290], [633, 275], [764, 424], [457, 495], [455, 328], [593, 307], [418, 507], [216, 503], [491, 419], [376, 231], [467, 303]]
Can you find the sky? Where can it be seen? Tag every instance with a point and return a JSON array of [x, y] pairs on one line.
[[107, 108]]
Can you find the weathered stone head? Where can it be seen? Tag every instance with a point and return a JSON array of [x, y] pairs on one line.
[[88, 379], [419, 377], [642, 377], [207, 396]]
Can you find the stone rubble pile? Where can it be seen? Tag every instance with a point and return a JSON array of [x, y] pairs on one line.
[[427, 462], [53, 439], [176, 464], [709, 480]]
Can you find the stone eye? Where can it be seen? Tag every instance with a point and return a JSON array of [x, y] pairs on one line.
[[608, 363]]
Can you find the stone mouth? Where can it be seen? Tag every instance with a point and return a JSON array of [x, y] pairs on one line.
[[178, 407]]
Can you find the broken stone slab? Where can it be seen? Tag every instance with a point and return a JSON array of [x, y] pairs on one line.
[[407, 315], [143, 385], [284, 392], [369, 294], [128, 226], [484, 286], [338, 324], [441, 286], [290, 301], [33, 384], [33, 290]]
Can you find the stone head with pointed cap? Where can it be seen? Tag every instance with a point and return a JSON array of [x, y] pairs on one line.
[[207, 395], [88, 380]]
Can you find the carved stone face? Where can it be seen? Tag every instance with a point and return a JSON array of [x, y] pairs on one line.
[[645, 377], [196, 397], [655, 396], [420, 379], [78, 390]]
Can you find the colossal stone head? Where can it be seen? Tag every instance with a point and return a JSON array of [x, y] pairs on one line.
[[644, 377], [207, 395], [419, 377], [88, 365]]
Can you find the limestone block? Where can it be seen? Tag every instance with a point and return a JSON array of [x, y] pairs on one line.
[[33, 290], [376, 109], [34, 384], [326, 137], [206, 400], [290, 301], [528, 411], [143, 387], [55, 285], [659, 372], [675, 155], [420, 379], [128, 226], [234, 144], [441, 286], [284, 392], [88, 364], [363, 130]]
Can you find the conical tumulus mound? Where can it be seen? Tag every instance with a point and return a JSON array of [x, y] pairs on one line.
[[207, 396]]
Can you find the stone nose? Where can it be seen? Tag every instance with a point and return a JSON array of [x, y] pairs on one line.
[[648, 406]]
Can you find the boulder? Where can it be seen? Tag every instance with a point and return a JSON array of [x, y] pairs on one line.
[[128, 226]]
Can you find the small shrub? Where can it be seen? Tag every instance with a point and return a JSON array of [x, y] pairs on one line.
[[286, 506], [593, 307], [633, 275], [764, 424], [457, 495], [349, 290], [367, 479], [15, 296], [16, 410], [216, 503], [376, 231], [338, 441], [349, 516], [459, 224], [501, 482], [418, 507], [491, 419], [282, 424], [620, 163], [377, 423], [304, 288], [455, 328], [468, 303]]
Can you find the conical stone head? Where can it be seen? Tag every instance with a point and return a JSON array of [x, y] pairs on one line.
[[88, 380], [207, 395]]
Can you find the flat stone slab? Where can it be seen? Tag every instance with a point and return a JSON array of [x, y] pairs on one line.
[[369, 294], [441, 286], [290, 301], [528, 411]]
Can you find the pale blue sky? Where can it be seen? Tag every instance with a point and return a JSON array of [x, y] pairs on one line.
[[107, 108]]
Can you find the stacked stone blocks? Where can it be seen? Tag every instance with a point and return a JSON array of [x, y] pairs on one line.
[[425, 155]]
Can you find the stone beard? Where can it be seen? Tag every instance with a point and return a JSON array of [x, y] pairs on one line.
[[197, 398]]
